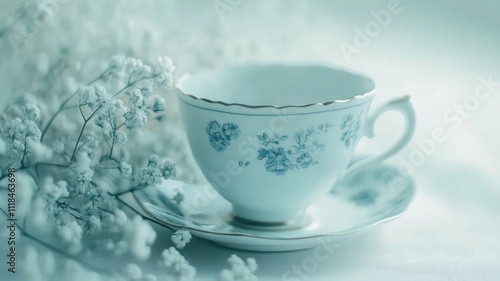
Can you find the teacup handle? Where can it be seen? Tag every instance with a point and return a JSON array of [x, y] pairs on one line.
[[404, 106]]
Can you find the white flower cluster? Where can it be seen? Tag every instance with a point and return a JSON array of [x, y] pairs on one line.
[[181, 238], [134, 273], [125, 169], [154, 172], [165, 77], [174, 261], [69, 170], [139, 236], [20, 140], [93, 96], [71, 234], [240, 271], [111, 115], [54, 191]]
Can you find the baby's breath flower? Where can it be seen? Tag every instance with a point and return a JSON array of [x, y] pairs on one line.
[[111, 114], [19, 146], [120, 138], [117, 66], [10, 128], [125, 169], [31, 112], [87, 95], [147, 177], [71, 234], [32, 131], [57, 147], [132, 271], [136, 98], [173, 260], [54, 190], [135, 119], [93, 224], [93, 96], [146, 86], [120, 218], [168, 170], [159, 104], [153, 162], [239, 270], [121, 248], [83, 167], [166, 64], [164, 79], [91, 142], [139, 236], [181, 238]]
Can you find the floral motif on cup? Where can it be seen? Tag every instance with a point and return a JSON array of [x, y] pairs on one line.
[[220, 136], [349, 127], [282, 153], [365, 197]]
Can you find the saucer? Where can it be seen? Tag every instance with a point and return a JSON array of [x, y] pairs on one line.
[[366, 199]]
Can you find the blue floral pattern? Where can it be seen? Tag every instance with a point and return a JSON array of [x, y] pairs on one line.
[[284, 153], [365, 197], [350, 126], [220, 136]]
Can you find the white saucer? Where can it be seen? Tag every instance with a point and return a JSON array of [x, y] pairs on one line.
[[366, 199]]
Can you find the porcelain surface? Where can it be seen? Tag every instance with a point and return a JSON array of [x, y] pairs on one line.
[[368, 198], [273, 139]]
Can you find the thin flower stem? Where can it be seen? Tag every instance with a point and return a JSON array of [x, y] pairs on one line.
[[130, 84], [105, 137], [123, 124], [24, 153], [77, 142], [81, 133], [112, 145], [81, 112], [113, 159], [61, 108], [128, 190]]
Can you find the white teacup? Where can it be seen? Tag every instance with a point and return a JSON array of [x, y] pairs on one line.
[[272, 139]]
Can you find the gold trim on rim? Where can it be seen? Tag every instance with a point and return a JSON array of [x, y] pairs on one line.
[[364, 95]]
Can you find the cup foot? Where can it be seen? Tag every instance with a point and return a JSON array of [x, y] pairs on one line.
[[297, 223]]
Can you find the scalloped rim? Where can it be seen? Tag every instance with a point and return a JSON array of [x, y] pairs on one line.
[[361, 96], [366, 94]]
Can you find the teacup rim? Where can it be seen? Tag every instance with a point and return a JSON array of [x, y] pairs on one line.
[[325, 103]]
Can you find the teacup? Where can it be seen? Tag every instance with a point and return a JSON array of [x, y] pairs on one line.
[[273, 138]]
